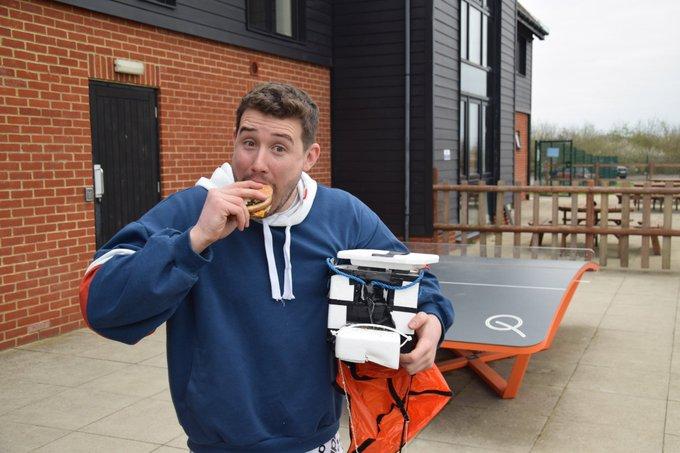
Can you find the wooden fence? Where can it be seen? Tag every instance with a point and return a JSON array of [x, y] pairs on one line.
[[597, 218]]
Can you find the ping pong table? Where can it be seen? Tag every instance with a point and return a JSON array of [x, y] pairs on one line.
[[504, 308]]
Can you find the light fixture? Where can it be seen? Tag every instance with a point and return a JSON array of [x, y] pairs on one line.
[[128, 66]]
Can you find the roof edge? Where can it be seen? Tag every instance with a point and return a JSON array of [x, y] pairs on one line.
[[531, 22]]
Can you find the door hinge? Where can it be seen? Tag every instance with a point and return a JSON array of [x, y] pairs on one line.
[[158, 186], [155, 112]]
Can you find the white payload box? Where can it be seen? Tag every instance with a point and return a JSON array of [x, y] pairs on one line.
[[372, 298]]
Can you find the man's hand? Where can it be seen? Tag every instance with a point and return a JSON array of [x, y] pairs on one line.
[[429, 331], [224, 210]]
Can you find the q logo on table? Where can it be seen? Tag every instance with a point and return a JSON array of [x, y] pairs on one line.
[[500, 322]]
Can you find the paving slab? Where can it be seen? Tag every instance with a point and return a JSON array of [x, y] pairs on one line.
[[673, 418], [21, 392], [133, 380], [69, 410], [133, 422], [77, 442], [489, 428], [591, 406], [21, 437], [626, 381], [671, 443], [571, 436]]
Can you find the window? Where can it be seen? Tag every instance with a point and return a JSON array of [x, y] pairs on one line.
[[475, 159], [474, 43], [522, 55], [474, 156], [277, 17]]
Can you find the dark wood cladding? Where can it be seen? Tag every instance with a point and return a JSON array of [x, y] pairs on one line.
[[507, 23], [445, 89], [368, 109], [225, 21]]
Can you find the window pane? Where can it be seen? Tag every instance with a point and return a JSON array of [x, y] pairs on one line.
[[522, 57], [284, 17], [257, 13], [472, 80], [461, 145], [463, 29], [485, 32], [475, 36], [483, 155], [473, 136]]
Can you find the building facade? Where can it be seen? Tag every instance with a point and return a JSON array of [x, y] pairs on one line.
[[89, 140]]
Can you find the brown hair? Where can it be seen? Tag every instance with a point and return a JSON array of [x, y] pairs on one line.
[[283, 101]]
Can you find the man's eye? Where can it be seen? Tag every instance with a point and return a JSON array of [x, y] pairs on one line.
[[279, 149], [249, 143]]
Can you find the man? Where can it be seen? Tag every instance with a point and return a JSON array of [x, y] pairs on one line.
[[249, 366]]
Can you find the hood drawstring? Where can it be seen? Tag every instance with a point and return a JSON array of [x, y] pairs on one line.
[[306, 191]]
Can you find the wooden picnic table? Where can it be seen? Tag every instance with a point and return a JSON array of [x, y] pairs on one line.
[[566, 217], [655, 184], [582, 213]]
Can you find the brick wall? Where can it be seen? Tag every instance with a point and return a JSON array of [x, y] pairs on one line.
[[522, 154], [49, 52]]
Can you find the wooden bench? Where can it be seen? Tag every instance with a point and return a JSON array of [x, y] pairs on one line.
[[537, 238], [656, 245]]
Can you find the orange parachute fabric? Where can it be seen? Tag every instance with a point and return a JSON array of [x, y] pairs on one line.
[[389, 407]]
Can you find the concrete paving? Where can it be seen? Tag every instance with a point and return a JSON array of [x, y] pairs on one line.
[[610, 382]]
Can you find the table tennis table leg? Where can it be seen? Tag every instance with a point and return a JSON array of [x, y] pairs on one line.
[[505, 388], [477, 361], [516, 376]]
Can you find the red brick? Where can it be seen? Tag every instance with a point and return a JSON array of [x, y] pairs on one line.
[[8, 344], [16, 315]]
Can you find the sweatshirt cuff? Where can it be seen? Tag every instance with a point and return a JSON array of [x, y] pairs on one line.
[[186, 258]]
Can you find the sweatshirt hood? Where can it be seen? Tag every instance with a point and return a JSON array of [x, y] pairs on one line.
[[306, 192]]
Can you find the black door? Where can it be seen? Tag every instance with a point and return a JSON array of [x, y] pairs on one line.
[[124, 154]]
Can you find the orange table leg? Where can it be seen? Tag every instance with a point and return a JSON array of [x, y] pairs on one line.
[[477, 361]]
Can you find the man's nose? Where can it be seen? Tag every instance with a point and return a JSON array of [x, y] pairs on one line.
[[260, 162]]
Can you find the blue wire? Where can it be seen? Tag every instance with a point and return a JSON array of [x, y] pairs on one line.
[[378, 283]]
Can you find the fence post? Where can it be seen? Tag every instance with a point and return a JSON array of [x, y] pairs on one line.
[[667, 225], [464, 217], [555, 221], [447, 216], [435, 201], [646, 216], [481, 220], [604, 222], [625, 223], [500, 199], [574, 220], [590, 215], [517, 239], [535, 220]]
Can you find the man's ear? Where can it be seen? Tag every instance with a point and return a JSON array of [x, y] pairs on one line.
[[311, 156]]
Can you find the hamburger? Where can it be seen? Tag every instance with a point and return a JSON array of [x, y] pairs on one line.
[[259, 209]]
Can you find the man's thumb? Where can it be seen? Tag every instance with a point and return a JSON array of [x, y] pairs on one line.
[[418, 320]]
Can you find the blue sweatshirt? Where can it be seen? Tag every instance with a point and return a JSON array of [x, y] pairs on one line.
[[246, 373]]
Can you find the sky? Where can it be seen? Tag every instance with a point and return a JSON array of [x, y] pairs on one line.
[[606, 62]]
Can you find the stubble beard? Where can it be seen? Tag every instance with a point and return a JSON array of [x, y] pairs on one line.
[[279, 207]]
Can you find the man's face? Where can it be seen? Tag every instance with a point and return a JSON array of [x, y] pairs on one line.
[[270, 150]]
